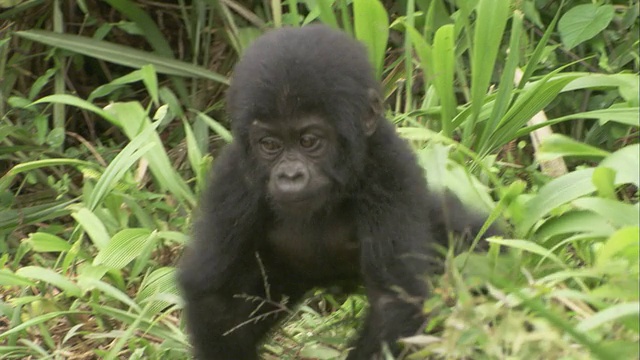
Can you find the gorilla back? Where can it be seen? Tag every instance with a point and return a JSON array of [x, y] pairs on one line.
[[316, 189]]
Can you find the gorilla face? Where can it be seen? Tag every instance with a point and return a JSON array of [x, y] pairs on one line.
[[298, 155]]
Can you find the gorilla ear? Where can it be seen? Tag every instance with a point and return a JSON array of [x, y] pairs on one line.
[[370, 121]]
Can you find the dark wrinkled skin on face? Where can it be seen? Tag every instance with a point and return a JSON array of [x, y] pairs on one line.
[[315, 190]]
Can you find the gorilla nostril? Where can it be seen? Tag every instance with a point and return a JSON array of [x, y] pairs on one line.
[[291, 175], [292, 182]]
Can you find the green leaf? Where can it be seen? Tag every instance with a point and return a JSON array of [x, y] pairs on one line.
[[194, 154], [89, 283], [51, 277], [160, 281], [505, 92], [623, 243], [8, 278], [131, 153], [7, 179], [627, 84], [555, 193], [93, 226], [491, 21], [529, 246], [610, 314], [150, 80], [11, 219], [144, 22], [624, 115], [605, 180], [123, 248], [626, 163], [106, 89], [44, 242], [583, 22], [215, 126], [617, 212], [443, 66], [80, 103], [326, 13], [371, 26], [558, 145], [119, 54], [533, 99], [576, 221], [35, 321], [134, 122]]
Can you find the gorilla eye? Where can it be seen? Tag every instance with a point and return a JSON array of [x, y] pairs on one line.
[[270, 145], [309, 141]]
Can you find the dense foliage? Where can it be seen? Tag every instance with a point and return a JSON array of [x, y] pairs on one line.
[[112, 112]]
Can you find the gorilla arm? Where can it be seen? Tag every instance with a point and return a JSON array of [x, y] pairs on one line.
[[220, 263]]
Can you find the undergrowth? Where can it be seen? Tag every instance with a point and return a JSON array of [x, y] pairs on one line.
[[112, 113]]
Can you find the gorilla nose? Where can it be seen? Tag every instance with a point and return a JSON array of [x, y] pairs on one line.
[[292, 178]]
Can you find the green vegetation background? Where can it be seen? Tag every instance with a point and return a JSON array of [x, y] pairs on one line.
[[112, 113]]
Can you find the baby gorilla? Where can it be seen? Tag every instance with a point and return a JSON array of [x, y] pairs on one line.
[[315, 190]]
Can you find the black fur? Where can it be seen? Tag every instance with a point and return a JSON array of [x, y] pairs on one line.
[[374, 227]]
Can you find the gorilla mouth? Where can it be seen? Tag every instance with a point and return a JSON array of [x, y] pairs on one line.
[[300, 202]]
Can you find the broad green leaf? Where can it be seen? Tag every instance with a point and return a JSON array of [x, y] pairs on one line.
[[371, 26], [93, 226], [44, 242], [577, 221], [120, 54], [583, 22], [626, 163], [617, 212], [624, 243], [51, 277], [124, 247], [605, 181], [555, 193], [8, 278], [160, 281], [558, 145], [627, 84]]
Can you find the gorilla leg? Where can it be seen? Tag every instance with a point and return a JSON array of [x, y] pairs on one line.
[[391, 316]]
